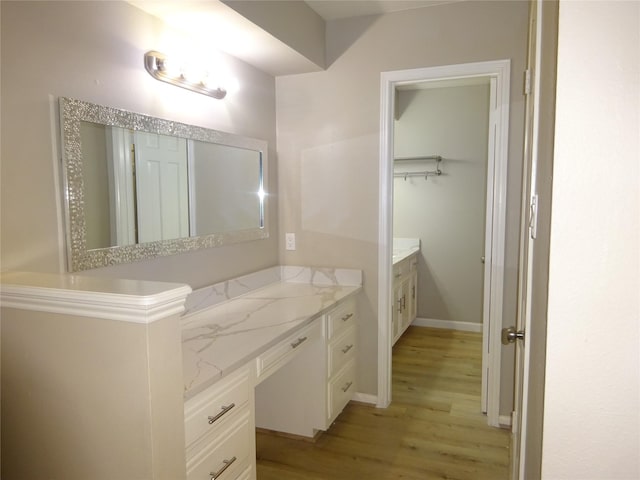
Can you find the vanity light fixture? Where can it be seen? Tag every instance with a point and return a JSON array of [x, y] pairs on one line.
[[160, 68]]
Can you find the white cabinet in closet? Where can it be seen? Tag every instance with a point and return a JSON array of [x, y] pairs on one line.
[[219, 430], [405, 295]]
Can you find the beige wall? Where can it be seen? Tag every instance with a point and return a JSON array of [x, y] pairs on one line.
[[592, 385], [305, 35], [447, 213], [329, 133], [93, 51]]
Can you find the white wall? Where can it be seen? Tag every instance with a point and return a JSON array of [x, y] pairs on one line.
[[93, 51], [329, 134], [592, 391], [447, 212]]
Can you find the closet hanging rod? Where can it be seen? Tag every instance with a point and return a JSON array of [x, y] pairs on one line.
[[437, 158], [429, 173]]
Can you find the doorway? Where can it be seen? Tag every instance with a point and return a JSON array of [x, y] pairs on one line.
[[497, 75]]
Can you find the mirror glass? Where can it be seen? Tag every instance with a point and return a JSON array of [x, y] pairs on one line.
[[139, 187]]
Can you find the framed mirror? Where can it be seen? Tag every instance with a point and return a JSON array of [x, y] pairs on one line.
[[138, 187]]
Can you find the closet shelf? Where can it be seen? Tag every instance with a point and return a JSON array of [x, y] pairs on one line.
[[437, 158]]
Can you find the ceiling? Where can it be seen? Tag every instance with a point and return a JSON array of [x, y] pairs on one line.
[[336, 9], [215, 24]]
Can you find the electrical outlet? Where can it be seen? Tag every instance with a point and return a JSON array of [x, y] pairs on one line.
[[290, 241]]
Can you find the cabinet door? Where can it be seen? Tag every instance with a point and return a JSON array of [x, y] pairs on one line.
[[396, 312], [413, 297], [405, 303]]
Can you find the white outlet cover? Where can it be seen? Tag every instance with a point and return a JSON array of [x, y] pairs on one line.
[[290, 241]]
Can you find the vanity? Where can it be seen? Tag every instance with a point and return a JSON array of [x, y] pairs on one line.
[[280, 357], [112, 379], [405, 285]]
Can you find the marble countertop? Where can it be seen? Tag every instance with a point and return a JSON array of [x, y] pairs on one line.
[[221, 338], [403, 248], [400, 255]]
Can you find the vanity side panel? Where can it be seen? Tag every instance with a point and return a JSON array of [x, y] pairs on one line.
[[167, 399], [76, 397]]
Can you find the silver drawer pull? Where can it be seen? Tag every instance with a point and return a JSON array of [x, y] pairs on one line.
[[227, 464], [224, 410], [298, 342], [347, 348], [347, 317], [347, 386]]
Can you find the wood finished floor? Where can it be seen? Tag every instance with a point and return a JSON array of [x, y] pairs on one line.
[[433, 429]]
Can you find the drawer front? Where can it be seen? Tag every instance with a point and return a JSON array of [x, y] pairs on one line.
[[405, 267], [341, 317], [341, 389], [399, 269], [214, 406], [247, 474], [413, 263], [279, 354], [341, 350], [226, 456]]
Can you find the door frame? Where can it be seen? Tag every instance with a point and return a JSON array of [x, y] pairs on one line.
[[526, 437], [496, 212]]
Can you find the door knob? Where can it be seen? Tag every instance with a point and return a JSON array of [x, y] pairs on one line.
[[510, 335]]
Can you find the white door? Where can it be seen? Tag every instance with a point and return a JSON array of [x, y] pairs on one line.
[[161, 187], [533, 286], [121, 186]]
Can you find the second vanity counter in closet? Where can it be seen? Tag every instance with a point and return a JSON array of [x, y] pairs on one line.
[[405, 284], [274, 350]]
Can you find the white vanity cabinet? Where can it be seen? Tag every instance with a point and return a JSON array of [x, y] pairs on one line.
[[287, 353], [405, 294], [306, 395], [341, 359], [219, 429], [191, 380]]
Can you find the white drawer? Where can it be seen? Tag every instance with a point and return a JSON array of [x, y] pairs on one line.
[[226, 456], [406, 266], [398, 270], [279, 354], [341, 350], [341, 389], [413, 263], [341, 317], [247, 474], [221, 401]]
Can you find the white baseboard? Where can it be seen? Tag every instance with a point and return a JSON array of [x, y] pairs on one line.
[[365, 398], [448, 324], [504, 420]]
